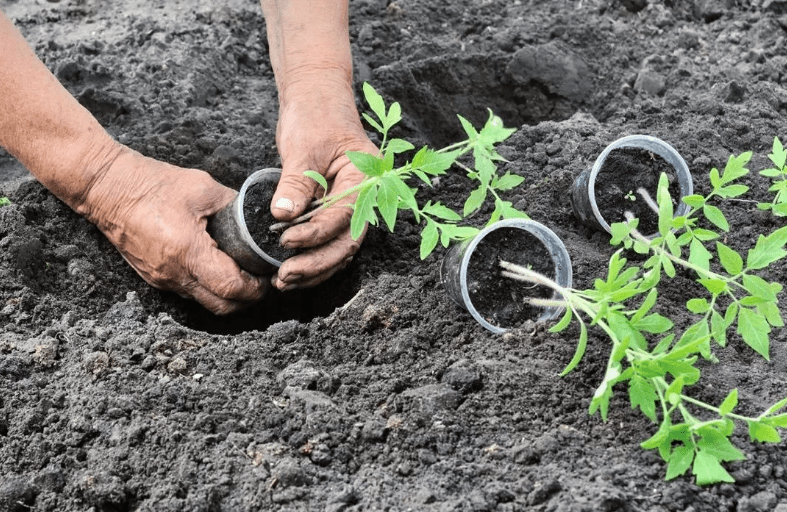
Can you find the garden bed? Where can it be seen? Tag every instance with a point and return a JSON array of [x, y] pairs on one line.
[[373, 391]]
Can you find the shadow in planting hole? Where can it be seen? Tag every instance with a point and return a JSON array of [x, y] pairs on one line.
[[433, 91], [301, 305]]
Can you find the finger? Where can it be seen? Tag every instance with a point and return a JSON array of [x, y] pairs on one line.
[[214, 304], [294, 192], [320, 229], [317, 265], [309, 282], [221, 276]]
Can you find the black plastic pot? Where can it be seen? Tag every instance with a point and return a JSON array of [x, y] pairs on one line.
[[583, 190], [229, 229], [455, 273]]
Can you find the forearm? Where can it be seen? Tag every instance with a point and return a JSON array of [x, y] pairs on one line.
[[44, 127], [308, 39]]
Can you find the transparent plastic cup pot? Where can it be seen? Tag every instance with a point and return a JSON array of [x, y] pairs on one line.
[[454, 268], [583, 190], [228, 228]]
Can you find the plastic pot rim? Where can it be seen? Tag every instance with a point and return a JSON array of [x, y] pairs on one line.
[[237, 210], [658, 146], [547, 237]]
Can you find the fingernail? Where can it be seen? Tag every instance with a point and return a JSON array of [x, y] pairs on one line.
[[284, 204]]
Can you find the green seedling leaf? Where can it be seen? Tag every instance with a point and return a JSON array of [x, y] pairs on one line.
[[758, 287], [776, 407], [778, 421], [375, 102], [771, 313], [494, 131], [429, 238], [642, 395], [698, 306], [762, 432], [715, 286], [715, 216], [679, 461], [471, 132], [319, 178], [653, 324], [508, 181], [718, 328], [754, 330], [665, 205], [735, 168], [715, 441], [767, 249], [778, 155], [388, 200], [474, 201], [363, 212], [441, 212], [397, 146], [4, 201], [732, 191], [579, 352], [730, 260], [699, 255], [695, 201], [708, 470], [370, 165], [374, 124], [564, 322], [704, 235], [729, 403], [646, 305]]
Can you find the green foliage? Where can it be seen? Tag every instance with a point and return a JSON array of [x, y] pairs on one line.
[[4, 201], [778, 175], [385, 189], [654, 359]]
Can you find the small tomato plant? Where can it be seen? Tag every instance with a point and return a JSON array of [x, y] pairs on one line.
[[4, 201], [778, 175], [385, 191], [648, 354]]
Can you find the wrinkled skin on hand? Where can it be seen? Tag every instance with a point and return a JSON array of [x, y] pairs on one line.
[[156, 215], [318, 123]]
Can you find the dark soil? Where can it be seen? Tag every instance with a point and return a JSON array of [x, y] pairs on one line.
[[373, 391], [259, 219], [624, 172], [500, 300]]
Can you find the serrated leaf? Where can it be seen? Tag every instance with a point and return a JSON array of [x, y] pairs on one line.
[[471, 132], [770, 173], [715, 216], [767, 249], [771, 313], [762, 432], [715, 286], [397, 146], [699, 255], [441, 212], [509, 181], [665, 205], [388, 202], [394, 115], [370, 165], [375, 101], [679, 461], [374, 124], [732, 191], [645, 307], [494, 131], [704, 235], [429, 239], [715, 442], [730, 260], [780, 420], [363, 212], [735, 168], [695, 201], [642, 395], [778, 155], [718, 328], [754, 329], [474, 201], [698, 306], [708, 470], [729, 403], [758, 286], [653, 324]]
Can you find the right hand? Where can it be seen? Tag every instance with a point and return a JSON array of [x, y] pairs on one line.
[[156, 215]]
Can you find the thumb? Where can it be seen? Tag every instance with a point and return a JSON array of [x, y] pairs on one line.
[[294, 192]]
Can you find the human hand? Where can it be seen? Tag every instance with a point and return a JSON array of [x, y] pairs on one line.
[[318, 124], [156, 215]]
